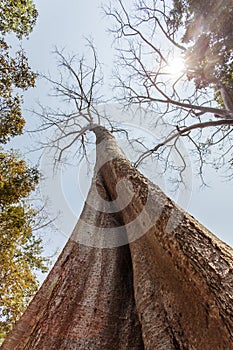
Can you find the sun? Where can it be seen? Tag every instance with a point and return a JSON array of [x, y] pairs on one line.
[[176, 66]]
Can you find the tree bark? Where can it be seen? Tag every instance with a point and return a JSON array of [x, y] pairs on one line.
[[170, 287]]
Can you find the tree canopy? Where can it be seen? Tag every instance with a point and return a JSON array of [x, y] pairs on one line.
[[162, 64], [16, 179], [17, 16], [193, 97], [14, 73], [20, 249], [175, 58]]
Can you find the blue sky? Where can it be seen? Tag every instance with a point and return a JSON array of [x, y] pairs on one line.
[[65, 24]]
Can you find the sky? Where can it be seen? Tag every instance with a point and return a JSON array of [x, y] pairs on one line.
[[65, 24]]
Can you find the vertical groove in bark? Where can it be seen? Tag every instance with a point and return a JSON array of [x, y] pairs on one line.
[[172, 287], [183, 275], [87, 300]]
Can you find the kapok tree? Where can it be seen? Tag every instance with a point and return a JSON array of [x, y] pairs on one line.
[[137, 272]]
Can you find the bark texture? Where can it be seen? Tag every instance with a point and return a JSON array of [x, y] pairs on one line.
[[172, 288]]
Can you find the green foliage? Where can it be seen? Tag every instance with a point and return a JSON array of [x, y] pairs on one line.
[[209, 38], [20, 250], [18, 16], [14, 73], [20, 255], [16, 179]]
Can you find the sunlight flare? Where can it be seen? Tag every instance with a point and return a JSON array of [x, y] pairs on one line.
[[176, 66]]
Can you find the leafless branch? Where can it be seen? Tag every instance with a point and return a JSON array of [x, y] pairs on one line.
[[183, 132], [147, 43]]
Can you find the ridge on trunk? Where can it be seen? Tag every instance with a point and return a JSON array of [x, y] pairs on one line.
[[136, 273]]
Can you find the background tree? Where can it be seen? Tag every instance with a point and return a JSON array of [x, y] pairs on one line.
[[20, 249], [17, 17], [14, 73]]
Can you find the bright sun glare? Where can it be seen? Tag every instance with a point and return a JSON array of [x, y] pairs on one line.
[[176, 66]]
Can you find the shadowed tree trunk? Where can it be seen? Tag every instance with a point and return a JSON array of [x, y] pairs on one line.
[[169, 287]]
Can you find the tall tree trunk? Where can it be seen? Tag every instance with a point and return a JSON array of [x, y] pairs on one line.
[[170, 287]]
